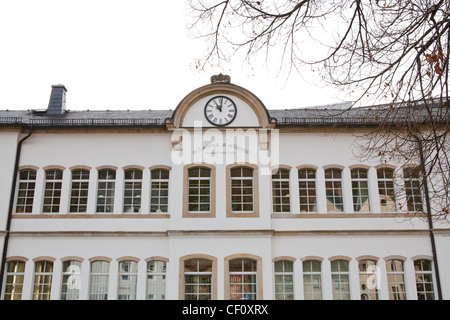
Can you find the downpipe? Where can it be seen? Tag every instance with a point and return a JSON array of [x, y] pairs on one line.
[[11, 207]]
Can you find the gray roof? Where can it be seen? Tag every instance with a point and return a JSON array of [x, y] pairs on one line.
[[316, 116]]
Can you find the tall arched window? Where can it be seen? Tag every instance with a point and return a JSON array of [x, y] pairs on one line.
[[198, 279], [307, 190], [360, 190], [133, 191], [79, 193], [25, 193], [159, 194], [105, 190], [43, 275], [333, 189], [386, 189], [52, 193], [280, 191]]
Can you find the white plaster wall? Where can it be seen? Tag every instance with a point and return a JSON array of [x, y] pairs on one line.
[[8, 146]]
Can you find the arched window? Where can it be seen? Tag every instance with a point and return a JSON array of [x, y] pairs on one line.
[[243, 279], [71, 280], [413, 189], [360, 190], [52, 193], [127, 280], [280, 191], [133, 191], [242, 187], [333, 189], [312, 279], [159, 194], [424, 279], [368, 279], [25, 193], [284, 280], [396, 279], [43, 274], [340, 279], [105, 190], [79, 193], [99, 280], [198, 279], [199, 190], [15, 273], [156, 280], [386, 189], [307, 190]]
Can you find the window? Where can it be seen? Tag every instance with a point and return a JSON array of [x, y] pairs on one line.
[[243, 279], [386, 190], [280, 191], [105, 190], [396, 279], [284, 280], [199, 190], [79, 194], [424, 279], [368, 280], [133, 191], [25, 195], [15, 272], [198, 279], [52, 194], [413, 189], [156, 280], [307, 190], [333, 189], [99, 280], [340, 279], [360, 190], [242, 190], [43, 274], [312, 280], [159, 197], [127, 280], [71, 279]]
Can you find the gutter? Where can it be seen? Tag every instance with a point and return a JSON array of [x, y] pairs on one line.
[[11, 207]]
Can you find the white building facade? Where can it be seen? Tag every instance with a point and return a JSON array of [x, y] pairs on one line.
[[218, 199]]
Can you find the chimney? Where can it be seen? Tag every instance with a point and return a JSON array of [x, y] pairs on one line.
[[57, 103]]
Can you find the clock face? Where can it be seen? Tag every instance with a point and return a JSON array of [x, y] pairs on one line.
[[220, 111]]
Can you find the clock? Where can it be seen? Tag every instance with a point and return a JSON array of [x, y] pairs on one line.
[[220, 111]]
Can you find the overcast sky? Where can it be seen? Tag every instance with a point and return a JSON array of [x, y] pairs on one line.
[[111, 54]]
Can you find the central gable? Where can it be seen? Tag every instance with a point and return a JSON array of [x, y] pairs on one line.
[[246, 110]]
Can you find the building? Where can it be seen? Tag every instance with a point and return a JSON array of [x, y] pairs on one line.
[[219, 199]]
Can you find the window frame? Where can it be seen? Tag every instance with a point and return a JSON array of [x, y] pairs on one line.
[[110, 188], [338, 293], [364, 275], [79, 190], [24, 185], [358, 185], [127, 275], [311, 275], [14, 290], [99, 275], [135, 190], [159, 189], [259, 271], [396, 274], [283, 275], [162, 274], [279, 179], [307, 193], [413, 191], [334, 190], [181, 282], [55, 201], [212, 196], [385, 190], [255, 194], [70, 276], [421, 273], [43, 279]]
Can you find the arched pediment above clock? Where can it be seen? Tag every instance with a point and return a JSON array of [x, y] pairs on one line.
[[249, 110]]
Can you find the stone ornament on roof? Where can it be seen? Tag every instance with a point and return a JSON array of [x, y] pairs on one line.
[[220, 78]]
